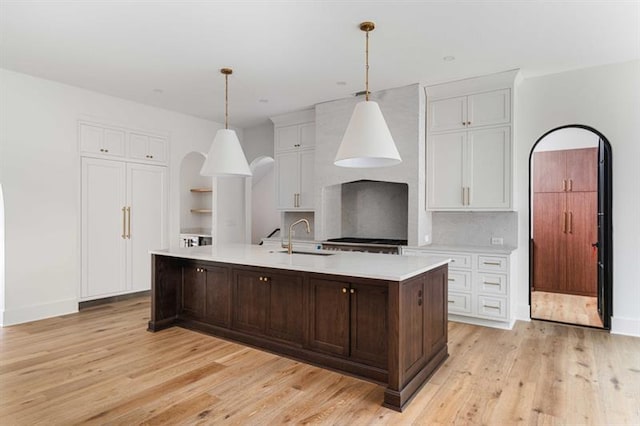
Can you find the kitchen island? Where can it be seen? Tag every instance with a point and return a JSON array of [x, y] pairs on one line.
[[376, 316]]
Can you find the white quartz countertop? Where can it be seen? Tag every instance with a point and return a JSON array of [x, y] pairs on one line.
[[365, 265]]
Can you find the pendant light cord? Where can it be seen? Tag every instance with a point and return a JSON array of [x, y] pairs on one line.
[[226, 101], [366, 80]]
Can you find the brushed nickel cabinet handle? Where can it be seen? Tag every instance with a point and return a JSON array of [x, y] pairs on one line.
[[468, 195], [490, 283], [129, 222], [492, 263], [124, 223], [463, 196], [451, 301], [491, 307], [451, 279]]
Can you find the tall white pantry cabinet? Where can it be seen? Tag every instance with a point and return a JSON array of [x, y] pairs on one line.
[[124, 209]]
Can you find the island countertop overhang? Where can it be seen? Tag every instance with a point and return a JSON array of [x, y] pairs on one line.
[[363, 265]]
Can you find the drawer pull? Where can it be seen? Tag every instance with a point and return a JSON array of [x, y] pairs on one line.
[[491, 307], [451, 279], [489, 282], [493, 263], [451, 301]]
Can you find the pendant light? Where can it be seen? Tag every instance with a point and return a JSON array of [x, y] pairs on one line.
[[225, 157], [367, 141]]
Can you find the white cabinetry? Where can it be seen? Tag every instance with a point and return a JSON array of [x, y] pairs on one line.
[[295, 157], [104, 141], [469, 149], [478, 286], [124, 215]]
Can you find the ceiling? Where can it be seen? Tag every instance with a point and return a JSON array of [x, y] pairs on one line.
[[289, 55]]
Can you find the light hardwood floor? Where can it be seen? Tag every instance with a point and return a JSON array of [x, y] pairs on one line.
[[101, 366], [568, 308]]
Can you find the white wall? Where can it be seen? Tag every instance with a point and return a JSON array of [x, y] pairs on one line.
[[257, 141], [1, 249], [606, 98], [40, 174]]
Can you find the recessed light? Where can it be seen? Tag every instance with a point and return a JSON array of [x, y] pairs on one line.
[[264, 101], [341, 83], [158, 91], [449, 58]]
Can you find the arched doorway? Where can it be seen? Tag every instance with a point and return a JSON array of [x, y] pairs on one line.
[[570, 227]]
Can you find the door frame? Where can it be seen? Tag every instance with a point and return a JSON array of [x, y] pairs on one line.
[[607, 222]]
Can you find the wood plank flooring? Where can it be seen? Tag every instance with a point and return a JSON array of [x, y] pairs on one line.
[[568, 308], [101, 366]]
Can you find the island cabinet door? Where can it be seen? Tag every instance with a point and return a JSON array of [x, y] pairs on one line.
[[218, 296], [436, 311], [413, 354], [369, 319], [329, 316], [284, 311], [250, 292], [193, 291]]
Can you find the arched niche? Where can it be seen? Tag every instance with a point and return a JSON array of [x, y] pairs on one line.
[[195, 196]]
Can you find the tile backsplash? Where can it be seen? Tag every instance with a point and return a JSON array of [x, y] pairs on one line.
[[475, 228]]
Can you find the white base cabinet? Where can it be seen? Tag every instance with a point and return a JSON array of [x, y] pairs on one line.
[[479, 290], [124, 215]]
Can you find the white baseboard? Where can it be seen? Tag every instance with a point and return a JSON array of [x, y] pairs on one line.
[[505, 325], [38, 312], [626, 326]]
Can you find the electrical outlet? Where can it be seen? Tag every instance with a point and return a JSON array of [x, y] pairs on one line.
[[497, 241]]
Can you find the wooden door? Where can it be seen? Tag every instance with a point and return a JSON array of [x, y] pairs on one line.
[[250, 294], [549, 171], [147, 220], [329, 316], [218, 296], [284, 311], [369, 324], [103, 228], [412, 311], [582, 229], [193, 291], [549, 234], [582, 170], [435, 299]]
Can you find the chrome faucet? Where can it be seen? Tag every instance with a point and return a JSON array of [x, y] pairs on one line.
[[290, 246]]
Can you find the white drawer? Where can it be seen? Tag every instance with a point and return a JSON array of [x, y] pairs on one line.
[[492, 307], [457, 260], [491, 283], [492, 263], [459, 280], [459, 303]]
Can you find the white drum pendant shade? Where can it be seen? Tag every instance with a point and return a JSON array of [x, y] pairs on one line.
[[367, 141], [225, 158]]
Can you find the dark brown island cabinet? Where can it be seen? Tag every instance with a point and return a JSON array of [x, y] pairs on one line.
[[390, 332]]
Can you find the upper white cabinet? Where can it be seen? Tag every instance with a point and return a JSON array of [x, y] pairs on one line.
[[463, 112], [295, 156], [145, 147], [103, 141], [469, 139]]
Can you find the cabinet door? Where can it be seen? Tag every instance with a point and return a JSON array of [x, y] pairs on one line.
[[157, 149], [412, 322], [581, 258], [114, 142], [445, 174], [91, 139], [218, 296], [138, 146], [249, 301], [549, 231], [284, 313], [287, 179], [489, 108], [435, 303], [147, 220], [306, 197], [549, 171], [448, 114], [287, 138], [369, 324], [489, 168], [582, 170], [307, 135], [329, 316], [193, 291], [103, 231]]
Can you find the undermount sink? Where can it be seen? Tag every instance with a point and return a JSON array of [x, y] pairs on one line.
[[312, 253]]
